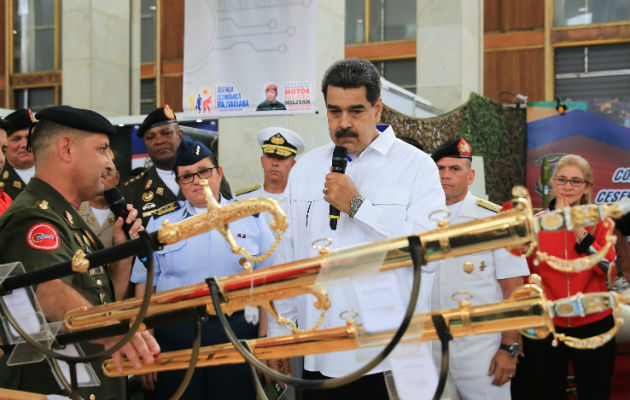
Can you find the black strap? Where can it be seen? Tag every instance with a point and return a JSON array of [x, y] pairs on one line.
[[444, 333]]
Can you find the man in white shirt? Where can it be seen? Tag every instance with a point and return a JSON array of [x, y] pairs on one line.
[[480, 366], [388, 190], [280, 146], [20, 165]]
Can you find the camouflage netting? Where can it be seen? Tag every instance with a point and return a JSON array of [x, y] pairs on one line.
[[496, 132]]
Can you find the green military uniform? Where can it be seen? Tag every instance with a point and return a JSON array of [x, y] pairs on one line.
[[40, 229], [10, 181], [105, 232], [148, 192]]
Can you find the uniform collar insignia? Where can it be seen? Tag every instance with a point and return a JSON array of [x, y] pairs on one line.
[[43, 205]]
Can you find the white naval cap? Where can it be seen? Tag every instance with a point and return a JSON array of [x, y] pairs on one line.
[[280, 141]]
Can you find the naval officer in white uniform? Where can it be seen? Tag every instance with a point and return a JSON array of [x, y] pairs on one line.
[[481, 366]]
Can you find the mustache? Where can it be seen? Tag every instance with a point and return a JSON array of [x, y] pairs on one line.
[[346, 133]]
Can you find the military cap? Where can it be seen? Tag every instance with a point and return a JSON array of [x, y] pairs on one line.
[[77, 118], [456, 148], [272, 86], [281, 142], [189, 152], [159, 116], [19, 120]]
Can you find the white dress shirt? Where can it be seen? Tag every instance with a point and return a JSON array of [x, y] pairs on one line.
[[470, 356], [401, 186]]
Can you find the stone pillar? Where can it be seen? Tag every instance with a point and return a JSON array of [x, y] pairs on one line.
[[449, 61], [96, 61]]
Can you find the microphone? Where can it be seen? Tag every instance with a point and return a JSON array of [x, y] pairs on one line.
[[339, 162], [118, 205]]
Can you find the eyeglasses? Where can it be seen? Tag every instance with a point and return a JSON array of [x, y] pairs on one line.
[[203, 173], [561, 180]]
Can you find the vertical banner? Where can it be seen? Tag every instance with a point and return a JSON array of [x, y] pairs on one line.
[[249, 57], [603, 143]]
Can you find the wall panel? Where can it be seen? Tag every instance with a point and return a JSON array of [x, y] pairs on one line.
[[172, 24], [517, 71], [171, 92]]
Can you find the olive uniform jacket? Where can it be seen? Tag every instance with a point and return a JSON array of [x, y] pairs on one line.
[[105, 232], [148, 193], [10, 181], [40, 229]]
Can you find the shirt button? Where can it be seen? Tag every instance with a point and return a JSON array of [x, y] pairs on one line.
[[99, 282]]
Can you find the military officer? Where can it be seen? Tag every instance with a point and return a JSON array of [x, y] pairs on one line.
[[20, 165], [42, 228], [279, 146], [96, 213], [191, 261], [480, 366], [156, 187]]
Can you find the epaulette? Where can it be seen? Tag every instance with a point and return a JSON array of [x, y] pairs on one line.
[[246, 190], [167, 208], [488, 205], [135, 178]]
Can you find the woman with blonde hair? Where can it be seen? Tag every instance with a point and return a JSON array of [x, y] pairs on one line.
[[542, 373]]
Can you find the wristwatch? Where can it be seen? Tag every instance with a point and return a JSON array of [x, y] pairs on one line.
[[514, 349], [355, 203]]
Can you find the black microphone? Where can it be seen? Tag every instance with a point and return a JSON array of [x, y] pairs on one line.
[[118, 205], [339, 162]]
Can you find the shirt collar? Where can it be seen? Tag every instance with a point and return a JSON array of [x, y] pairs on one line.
[[383, 141], [381, 144]]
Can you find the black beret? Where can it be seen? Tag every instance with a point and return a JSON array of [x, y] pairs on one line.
[[456, 148], [19, 120], [157, 117], [189, 152], [77, 118]]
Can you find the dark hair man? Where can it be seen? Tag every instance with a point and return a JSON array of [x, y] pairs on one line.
[[42, 228], [388, 190], [156, 187], [191, 261], [96, 213], [485, 364], [20, 165], [271, 103]]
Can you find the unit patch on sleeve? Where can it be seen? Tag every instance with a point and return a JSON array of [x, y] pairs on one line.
[[43, 236]]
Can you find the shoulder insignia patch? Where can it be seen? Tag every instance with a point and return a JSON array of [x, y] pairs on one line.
[[43, 236], [246, 190], [167, 208], [488, 205]]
